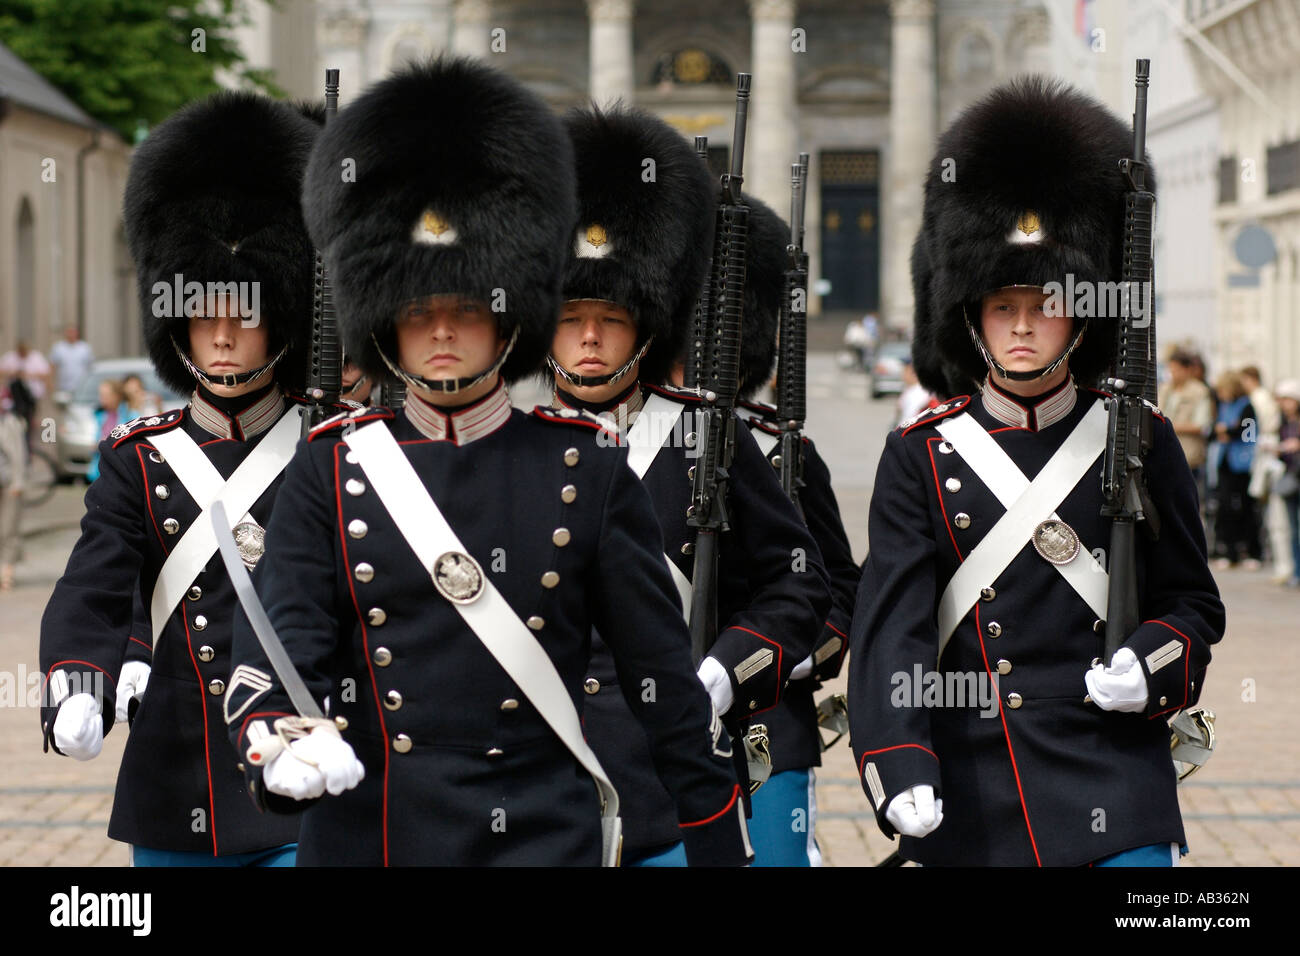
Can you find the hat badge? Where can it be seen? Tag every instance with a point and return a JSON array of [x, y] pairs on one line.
[[433, 230], [1028, 229], [592, 242]]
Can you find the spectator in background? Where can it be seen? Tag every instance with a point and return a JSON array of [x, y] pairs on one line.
[[1236, 521], [27, 375], [13, 462], [356, 385], [1264, 472], [1287, 487], [1190, 407], [139, 401], [110, 413], [72, 357], [914, 398]]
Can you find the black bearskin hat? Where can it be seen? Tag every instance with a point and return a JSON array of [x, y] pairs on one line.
[[214, 196], [645, 216], [463, 183], [1024, 189], [765, 264]]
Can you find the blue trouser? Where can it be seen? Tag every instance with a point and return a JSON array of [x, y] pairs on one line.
[[781, 828], [1292, 505], [276, 856], [1156, 854], [675, 855]]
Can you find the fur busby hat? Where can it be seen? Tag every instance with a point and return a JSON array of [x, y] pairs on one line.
[[1024, 189], [765, 263], [645, 214], [463, 185], [214, 197]]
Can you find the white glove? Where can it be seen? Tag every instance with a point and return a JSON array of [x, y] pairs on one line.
[[336, 767], [715, 680], [802, 669], [79, 727], [131, 683], [915, 812], [1121, 686]]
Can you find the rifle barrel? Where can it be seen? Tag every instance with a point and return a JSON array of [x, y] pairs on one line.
[[804, 191], [1142, 81], [331, 94], [738, 133], [796, 204]]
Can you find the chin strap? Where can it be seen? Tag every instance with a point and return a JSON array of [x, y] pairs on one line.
[[450, 386], [1021, 376], [587, 381], [230, 379]]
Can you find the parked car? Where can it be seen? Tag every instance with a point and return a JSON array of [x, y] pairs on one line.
[[77, 433], [887, 369]]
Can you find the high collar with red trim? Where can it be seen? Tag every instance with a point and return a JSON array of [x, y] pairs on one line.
[[1034, 412], [242, 425], [462, 424], [622, 409]]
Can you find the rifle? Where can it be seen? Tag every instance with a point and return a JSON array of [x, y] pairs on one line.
[[719, 380], [792, 367], [695, 344], [1132, 385], [325, 360], [392, 395]]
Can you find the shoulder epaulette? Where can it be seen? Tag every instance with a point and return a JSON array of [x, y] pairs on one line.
[[145, 425], [762, 408], [676, 394], [1155, 409], [931, 415], [362, 413], [576, 416], [343, 405]]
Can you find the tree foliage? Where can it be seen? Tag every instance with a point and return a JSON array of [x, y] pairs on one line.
[[127, 61]]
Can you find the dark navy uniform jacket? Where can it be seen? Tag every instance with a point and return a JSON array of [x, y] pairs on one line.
[[796, 741], [1048, 778], [178, 787], [460, 768], [772, 598]]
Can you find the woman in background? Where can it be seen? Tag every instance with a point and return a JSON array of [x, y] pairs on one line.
[[1237, 523], [139, 401], [13, 462], [1288, 486], [111, 412]]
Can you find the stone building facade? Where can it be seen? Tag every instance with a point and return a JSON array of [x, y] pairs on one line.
[[63, 258], [861, 85]]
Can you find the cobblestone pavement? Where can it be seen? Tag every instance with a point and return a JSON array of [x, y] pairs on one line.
[[1243, 809]]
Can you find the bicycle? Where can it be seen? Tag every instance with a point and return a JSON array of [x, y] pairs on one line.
[[40, 478]]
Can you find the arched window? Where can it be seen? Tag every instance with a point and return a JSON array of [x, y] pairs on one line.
[[25, 274]]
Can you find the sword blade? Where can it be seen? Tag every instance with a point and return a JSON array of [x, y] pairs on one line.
[[293, 684]]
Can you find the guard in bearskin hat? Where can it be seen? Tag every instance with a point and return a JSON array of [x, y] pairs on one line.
[[224, 265], [792, 724], [440, 570], [1020, 746], [634, 268]]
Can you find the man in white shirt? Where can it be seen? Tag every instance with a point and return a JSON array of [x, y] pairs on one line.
[[72, 358]]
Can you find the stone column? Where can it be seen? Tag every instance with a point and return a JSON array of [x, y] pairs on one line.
[[611, 76], [772, 140], [912, 120], [471, 21]]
